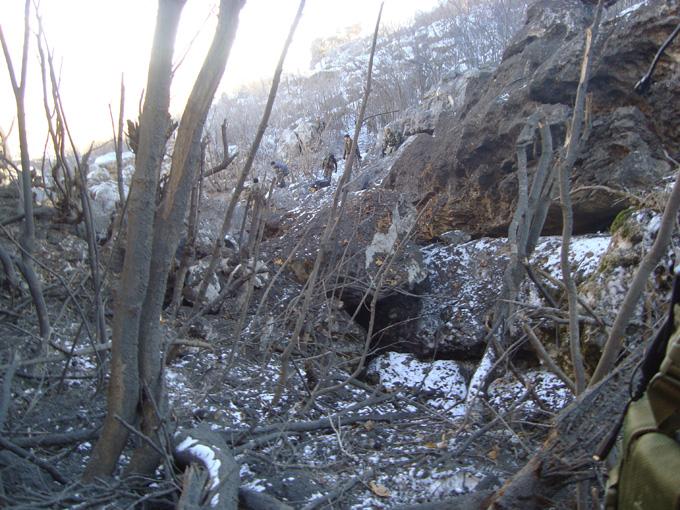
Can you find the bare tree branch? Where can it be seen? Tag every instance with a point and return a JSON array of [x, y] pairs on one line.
[[572, 146], [333, 219]]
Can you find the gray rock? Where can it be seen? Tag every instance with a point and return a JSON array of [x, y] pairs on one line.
[[506, 391], [302, 138], [470, 162], [454, 237], [465, 280], [605, 288], [448, 95]]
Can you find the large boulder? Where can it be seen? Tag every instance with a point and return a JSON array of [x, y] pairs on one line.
[[448, 95], [370, 255], [470, 161], [108, 163], [443, 383], [103, 200], [465, 283], [103, 188], [302, 138], [506, 393]]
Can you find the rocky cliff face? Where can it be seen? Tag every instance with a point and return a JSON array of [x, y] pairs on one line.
[[470, 161], [452, 166]]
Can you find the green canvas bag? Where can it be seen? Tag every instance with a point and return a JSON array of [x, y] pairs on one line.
[[648, 474]]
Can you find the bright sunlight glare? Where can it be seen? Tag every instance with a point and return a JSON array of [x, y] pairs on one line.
[[95, 41]]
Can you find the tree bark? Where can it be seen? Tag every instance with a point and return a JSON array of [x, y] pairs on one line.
[[124, 386], [8, 267], [572, 146], [168, 225], [226, 158], [188, 252], [92, 249], [523, 233], [19, 88], [119, 146], [28, 233], [205, 448]]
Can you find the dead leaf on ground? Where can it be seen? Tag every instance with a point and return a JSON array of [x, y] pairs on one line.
[[379, 490], [493, 453], [441, 445]]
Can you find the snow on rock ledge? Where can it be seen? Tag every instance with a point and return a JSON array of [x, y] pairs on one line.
[[634, 233], [442, 380], [465, 281], [504, 393]]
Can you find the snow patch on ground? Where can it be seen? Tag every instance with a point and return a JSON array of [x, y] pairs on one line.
[[443, 379], [551, 391]]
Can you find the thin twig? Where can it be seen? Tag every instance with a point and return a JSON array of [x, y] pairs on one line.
[[51, 470]]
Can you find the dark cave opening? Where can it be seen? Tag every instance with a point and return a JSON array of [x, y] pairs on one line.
[[396, 318]]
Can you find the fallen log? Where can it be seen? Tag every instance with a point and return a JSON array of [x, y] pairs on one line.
[[263, 436], [56, 439], [202, 448], [253, 500]]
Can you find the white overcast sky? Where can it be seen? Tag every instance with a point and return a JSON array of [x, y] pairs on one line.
[[96, 40]]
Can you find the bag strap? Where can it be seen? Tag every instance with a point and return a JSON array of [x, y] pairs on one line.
[[656, 351], [664, 389]]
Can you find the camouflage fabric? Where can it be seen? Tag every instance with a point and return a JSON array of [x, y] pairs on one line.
[[648, 474]]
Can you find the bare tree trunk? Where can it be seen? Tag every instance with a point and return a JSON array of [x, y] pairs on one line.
[[226, 158], [261, 209], [567, 454], [238, 187], [222, 488], [93, 252], [28, 234], [572, 146], [19, 88], [523, 233], [10, 272], [66, 203], [124, 386], [168, 225], [35, 289], [188, 252]]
